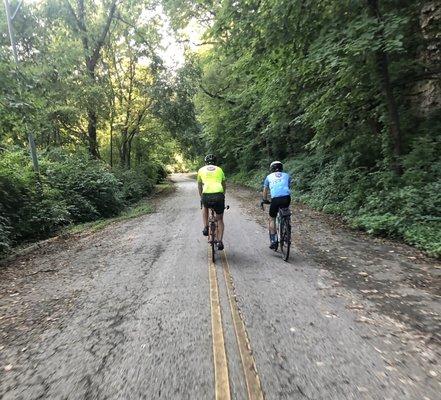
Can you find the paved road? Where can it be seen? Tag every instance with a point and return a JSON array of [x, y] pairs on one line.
[[127, 313]]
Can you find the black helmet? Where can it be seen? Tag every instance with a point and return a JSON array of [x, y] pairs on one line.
[[276, 166], [210, 159]]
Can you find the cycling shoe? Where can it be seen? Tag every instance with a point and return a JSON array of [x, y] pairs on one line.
[[274, 246]]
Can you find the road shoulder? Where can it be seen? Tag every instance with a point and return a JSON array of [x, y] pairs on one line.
[[399, 280]]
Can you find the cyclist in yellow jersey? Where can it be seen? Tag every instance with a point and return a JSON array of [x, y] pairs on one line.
[[211, 185]]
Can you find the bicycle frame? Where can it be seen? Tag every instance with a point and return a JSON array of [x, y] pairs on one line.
[[212, 226], [212, 229], [283, 229], [283, 223], [283, 213]]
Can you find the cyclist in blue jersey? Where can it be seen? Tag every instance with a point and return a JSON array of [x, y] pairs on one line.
[[278, 185]]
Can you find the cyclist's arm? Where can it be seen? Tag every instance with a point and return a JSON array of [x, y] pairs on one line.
[[200, 185], [224, 186], [265, 189], [265, 193]]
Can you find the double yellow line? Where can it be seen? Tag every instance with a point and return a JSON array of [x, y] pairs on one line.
[[221, 375]]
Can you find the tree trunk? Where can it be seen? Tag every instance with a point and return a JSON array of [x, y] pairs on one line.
[[121, 155], [111, 138], [91, 133], [382, 64], [129, 155], [394, 120], [92, 57], [123, 152]]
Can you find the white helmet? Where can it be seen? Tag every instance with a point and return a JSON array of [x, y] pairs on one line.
[[276, 166]]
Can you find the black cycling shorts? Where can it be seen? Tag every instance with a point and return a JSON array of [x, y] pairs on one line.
[[278, 202], [215, 201]]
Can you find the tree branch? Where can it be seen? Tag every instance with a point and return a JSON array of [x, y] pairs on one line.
[[79, 133], [412, 78], [96, 52], [135, 28], [217, 96]]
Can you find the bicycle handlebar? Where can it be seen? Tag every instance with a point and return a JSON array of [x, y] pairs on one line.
[[262, 202]]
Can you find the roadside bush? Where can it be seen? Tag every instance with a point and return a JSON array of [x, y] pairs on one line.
[[426, 237], [376, 200], [89, 189], [48, 213], [137, 183], [70, 188], [5, 231], [253, 179], [29, 208], [152, 171], [161, 174], [134, 185]]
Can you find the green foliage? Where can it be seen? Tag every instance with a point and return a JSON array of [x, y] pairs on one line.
[[308, 82], [253, 179], [5, 236], [89, 188], [28, 207], [405, 208], [110, 93], [133, 211], [71, 188], [138, 183], [425, 237]]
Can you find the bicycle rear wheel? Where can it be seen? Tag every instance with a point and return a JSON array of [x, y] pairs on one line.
[[285, 238], [212, 239]]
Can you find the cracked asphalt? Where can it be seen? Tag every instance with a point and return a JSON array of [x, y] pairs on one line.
[[125, 313]]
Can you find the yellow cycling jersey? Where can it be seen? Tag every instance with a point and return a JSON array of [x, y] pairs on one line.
[[211, 178]]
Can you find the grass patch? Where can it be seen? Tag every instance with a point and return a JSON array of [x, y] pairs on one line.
[[138, 209], [164, 188], [142, 207]]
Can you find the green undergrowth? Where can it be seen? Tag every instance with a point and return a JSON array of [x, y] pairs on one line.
[[134, 211], [70, 189], [405, 208], [138, 209]]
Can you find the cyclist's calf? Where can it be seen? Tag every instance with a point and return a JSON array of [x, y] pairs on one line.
[[220, 226], [272, 225]]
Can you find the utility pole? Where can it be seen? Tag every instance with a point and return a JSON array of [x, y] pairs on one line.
[[33, 150], [9, 18]]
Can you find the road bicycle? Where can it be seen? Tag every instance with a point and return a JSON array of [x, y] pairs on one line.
[[283, 227], [212, 230]]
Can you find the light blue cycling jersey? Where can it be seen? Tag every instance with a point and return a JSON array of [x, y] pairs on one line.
[[278, 183]]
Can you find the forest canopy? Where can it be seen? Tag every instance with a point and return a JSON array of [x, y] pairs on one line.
[[88, 82], [346, 93]]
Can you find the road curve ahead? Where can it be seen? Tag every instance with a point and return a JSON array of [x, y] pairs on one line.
[[137, 311]]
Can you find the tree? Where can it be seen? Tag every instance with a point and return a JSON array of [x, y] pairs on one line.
[[382, 63], [331, 90], [92, 46]]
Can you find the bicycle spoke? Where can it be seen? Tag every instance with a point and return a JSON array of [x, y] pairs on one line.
[[212, 233], [287, 239]]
